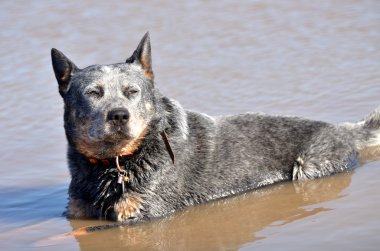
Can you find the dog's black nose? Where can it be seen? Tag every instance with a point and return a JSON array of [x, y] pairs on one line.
[[119, 115]]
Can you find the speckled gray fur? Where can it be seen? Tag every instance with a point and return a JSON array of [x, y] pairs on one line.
[[214, 157]]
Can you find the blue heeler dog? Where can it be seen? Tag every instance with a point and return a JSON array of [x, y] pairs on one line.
[[135, 154]]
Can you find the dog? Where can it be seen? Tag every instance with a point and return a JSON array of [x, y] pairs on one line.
[[135, 154]]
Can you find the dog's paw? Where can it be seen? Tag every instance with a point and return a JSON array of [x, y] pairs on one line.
[[299, 170], [313, 168], [128, 207]]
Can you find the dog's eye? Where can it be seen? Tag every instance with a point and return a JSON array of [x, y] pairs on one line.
[[96, 93], [133, 91], [130, 92]]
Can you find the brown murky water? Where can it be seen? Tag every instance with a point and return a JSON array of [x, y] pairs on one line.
[[318, 59]]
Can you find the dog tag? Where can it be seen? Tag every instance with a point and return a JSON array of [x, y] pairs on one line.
[[122, 187], [119, 178]]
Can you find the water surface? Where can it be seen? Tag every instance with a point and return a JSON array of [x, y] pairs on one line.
[[317, 59]]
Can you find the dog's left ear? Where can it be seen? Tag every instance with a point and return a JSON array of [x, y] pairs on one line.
[[63, 69], [143, 56]]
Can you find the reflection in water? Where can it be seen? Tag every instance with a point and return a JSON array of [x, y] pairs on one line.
[[370, 153], [223, 224]]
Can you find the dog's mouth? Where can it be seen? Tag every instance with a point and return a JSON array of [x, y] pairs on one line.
[[110, 133], [104, 144], [118, 135], [118, 130]]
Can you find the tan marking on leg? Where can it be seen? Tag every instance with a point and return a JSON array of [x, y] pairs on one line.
[[127, 207]]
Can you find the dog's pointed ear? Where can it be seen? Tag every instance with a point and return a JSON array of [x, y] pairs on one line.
[[63, 69], [143, 56]]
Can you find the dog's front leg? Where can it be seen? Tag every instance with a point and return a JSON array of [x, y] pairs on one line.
[[78, 208], [128, 207]]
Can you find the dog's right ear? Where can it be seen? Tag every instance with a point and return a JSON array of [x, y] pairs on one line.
[[63, 69], [143, 56]]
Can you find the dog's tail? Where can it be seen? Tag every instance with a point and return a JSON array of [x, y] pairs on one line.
[[368, 143], [372, 121]]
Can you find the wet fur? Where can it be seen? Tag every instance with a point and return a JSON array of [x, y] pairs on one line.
[[214, 157]]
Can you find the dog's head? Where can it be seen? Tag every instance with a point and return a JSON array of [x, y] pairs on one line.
[[107, 107]]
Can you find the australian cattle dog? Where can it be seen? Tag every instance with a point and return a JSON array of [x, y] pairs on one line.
[[135, 154]]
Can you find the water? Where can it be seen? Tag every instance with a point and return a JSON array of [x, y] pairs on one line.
[[318, 59]]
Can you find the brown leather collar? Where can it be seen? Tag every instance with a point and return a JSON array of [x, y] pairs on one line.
[[167, 145]]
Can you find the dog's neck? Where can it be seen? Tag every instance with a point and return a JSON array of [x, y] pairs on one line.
[[164, 139]]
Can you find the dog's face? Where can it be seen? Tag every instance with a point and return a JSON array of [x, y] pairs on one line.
[[107, 107]]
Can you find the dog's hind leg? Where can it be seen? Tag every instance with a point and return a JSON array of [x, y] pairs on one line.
[[313, 168], [331, 150]]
